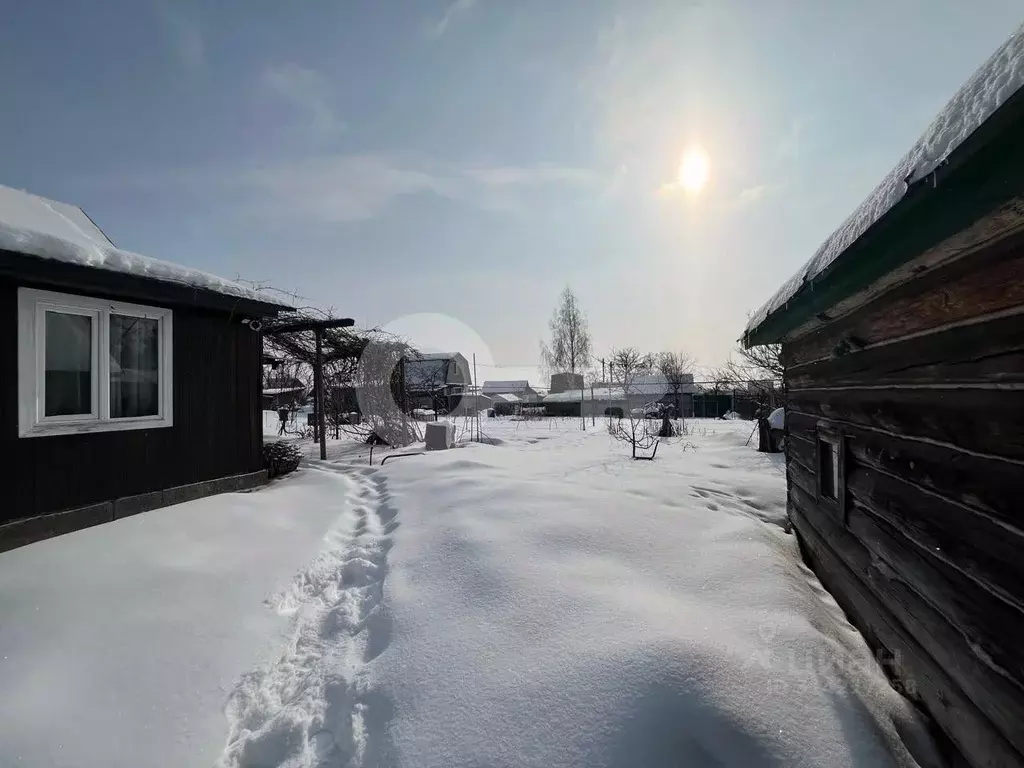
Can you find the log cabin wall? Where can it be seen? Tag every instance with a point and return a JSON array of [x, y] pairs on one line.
[[905, 442]]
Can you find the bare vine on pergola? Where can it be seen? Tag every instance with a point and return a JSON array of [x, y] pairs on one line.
[[370, 362]]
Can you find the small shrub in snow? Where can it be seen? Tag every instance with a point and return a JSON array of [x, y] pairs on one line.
[[281, 458], [374, 439]]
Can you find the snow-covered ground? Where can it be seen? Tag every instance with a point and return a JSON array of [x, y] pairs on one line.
[[541, 600]]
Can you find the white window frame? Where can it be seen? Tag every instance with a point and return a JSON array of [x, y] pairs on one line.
[[32, 420]]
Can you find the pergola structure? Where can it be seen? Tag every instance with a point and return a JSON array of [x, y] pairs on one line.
[[329, 343]]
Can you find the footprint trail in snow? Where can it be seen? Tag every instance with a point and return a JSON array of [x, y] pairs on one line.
[[316, 705]]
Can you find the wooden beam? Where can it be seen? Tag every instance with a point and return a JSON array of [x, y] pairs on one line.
[[984, 421], [318, 386], [983, 355], [309, 325], [989, 283]]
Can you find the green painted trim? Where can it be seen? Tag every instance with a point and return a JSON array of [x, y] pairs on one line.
[[984, 173]]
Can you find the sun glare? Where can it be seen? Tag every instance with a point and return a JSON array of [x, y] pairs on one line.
[[694, 170]]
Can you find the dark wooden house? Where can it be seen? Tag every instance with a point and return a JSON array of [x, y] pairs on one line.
[[903, 341], [284, 392], [126, 383], [437, 380]]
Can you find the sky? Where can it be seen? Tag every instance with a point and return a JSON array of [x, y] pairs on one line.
[[445, 168]]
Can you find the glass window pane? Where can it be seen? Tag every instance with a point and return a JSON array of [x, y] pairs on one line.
[[68, 360], [134, 366]]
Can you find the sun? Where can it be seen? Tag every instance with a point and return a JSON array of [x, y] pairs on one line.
[[694, 170]]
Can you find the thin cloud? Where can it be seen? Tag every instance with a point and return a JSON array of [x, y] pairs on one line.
[[792, 143], [361, 187], [307, 91], [511, 176], [332, 189], [337, 189], [185, 37], [455, 8], [753, 194]]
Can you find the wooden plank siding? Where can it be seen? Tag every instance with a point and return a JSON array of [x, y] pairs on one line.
[[216, 431], [925, 384], [990, 282]]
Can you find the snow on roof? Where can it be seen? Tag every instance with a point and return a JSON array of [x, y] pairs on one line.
[[48, 229], [282, 390], [598, 394], [653, 384], [650, 386], [506, 386], [990, 87], [507, 397]]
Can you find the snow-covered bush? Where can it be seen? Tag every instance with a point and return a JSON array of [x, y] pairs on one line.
[[280, 458]]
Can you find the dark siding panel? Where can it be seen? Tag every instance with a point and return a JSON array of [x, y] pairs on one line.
[[959, 654], [928, 560], [216, 372], [19, 471], [990, 353], [969, 541], [956, 542], [893, 617], [973, 542], [970, 288], [993, 487], [985, 421], [994, 629]]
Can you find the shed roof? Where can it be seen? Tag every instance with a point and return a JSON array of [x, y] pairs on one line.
[[47, 229], [656, 384], [439, 355], [953, 132]]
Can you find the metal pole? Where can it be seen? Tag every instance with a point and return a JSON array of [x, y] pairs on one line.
[[476, 398], [608, 389], [318, 386], [403, 401], [583, 413]]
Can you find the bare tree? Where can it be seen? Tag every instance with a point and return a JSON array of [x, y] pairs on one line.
[[569, 351], [627, 365], [677, 369], [382, 390], [758, 372], [763, 362]]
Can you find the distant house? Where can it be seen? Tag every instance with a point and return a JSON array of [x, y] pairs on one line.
[[507, 404], [472, 403], [710, 401], [128, 383], [655, 388], [610, 398], [903, 343], [283, 392], [520, 388], [437, 380], [565, 382]]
